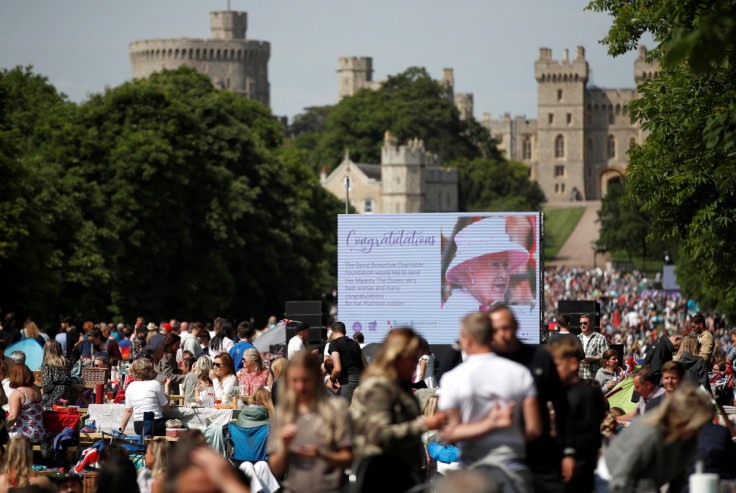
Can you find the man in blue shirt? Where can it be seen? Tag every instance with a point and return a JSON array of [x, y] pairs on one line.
[[245, 333]]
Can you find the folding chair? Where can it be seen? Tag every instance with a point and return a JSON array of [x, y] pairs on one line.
[[248, 444], [136, 447]]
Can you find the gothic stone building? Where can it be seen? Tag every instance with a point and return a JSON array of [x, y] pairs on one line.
[[578, 144], [409, 179], [230, 60]]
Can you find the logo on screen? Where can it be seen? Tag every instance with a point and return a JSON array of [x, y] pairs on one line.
[[372, 326], [357, 327]]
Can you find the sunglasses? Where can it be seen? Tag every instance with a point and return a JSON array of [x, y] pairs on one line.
[[217, 365]]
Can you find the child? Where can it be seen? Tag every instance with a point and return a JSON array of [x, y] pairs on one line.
[[587, 408], [205, 387], [190, 383]]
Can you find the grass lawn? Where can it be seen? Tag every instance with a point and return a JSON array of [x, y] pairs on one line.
[[558, 225]]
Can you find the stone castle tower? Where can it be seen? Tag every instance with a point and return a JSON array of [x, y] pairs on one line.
[[230, 60], [356, 73], [408, 179], [578, 144]]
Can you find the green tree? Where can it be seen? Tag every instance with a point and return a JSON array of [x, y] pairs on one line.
[[181, 205], [410, 105], [496, 185], [683, 175]]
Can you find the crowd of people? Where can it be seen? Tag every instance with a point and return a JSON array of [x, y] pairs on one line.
[[491, 413]]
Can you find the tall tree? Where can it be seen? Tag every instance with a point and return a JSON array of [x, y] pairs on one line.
[[410, 105], [496, 185], [183, 207], [683, 175]]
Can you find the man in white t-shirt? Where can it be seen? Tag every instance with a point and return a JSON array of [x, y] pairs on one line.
[[490, 418], [300, 341]]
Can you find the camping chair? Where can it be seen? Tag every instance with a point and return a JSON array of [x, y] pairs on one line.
[[248, 444], [136, 447]]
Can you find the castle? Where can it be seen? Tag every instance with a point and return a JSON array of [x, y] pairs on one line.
[[578, 144], [230, 60], [409, 179], [356, 73]]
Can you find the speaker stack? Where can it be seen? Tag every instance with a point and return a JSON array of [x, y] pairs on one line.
[[309, 312], [576, 308]]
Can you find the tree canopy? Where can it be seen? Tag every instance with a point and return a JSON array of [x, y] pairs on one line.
[[159, 197], [683, 175], [410, 105]]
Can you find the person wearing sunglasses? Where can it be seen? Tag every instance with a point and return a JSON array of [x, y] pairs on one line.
[[223, 377], [594, 345]]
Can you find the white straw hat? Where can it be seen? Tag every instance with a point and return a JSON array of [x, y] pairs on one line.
[[481, 238]]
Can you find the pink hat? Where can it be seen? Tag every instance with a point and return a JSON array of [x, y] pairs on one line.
[[481, 238]]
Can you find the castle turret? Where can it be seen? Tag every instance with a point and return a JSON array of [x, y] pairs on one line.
[[448, 82], [643, 70], [464, 103], [228, 24], [353, 74], [560, 123]]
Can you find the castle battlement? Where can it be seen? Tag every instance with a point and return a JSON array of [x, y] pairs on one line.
[[363, 63], [548, 70], [413, 153], [599, 95]]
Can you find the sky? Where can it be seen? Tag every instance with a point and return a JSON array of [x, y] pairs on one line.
[[82, 45]]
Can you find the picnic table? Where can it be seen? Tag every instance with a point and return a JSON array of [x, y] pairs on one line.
[[108, 417]]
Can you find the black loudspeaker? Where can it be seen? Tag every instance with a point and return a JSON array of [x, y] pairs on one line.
[[309, 312], [576, 308]]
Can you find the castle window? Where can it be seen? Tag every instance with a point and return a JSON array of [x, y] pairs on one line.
[[618, 109], [367, 206], [559, 146], [559, 94], [526, 147], [562, 188], [557, 188], [551, 118], [632, 142], [611, 147], [559, 170], [589, 149], [610, 118], [569, 118]]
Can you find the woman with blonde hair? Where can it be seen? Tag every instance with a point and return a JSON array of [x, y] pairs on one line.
[[150, 478], [695, 369], [17, 470], [145, 395], [385, 412], [278, 368], [56, 377], [254, 374], [32, 332], [657, 448], [311, 436]]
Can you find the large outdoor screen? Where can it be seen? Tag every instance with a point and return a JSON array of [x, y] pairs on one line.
[[427, 271]]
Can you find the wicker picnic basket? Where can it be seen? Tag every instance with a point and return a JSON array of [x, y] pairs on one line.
[[89, 482], [94, 376]]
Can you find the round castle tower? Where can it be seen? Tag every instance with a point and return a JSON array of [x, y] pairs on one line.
[[230, 60]]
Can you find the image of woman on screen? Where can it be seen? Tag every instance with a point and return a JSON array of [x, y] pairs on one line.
[[481, 270]]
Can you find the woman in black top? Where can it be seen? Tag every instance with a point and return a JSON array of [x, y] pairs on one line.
[[56, 378]]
